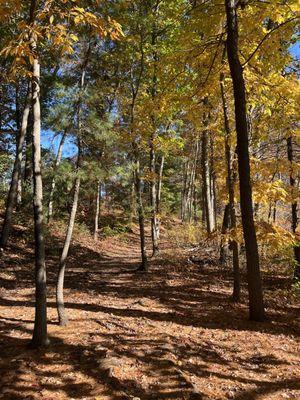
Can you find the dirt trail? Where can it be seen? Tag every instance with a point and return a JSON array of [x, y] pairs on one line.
[[168, 334]]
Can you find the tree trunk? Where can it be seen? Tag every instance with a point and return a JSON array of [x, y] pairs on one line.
[[231, 179], [12, 194], [256, 304], [28, 153], [225, 228], [184, 192], [97, 211], [141, 215], [294, 214], [18, 124], [153, 198], [62, 315], [132, 201], [159, 183], [206, 184], [213, 185], [53, 182], [40, 323]]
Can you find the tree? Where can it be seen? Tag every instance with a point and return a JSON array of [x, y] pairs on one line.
[[39, 337], [256, 304]]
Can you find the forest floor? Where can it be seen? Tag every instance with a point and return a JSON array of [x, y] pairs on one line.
[[169, 334]]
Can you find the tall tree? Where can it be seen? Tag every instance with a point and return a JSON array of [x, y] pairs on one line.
[[39, 337], [256, 304]]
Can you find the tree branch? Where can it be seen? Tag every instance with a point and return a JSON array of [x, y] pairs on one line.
[[266, 37]]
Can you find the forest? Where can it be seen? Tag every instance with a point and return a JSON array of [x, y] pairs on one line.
[[149, 199]]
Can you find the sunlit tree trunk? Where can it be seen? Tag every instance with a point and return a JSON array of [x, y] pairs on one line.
[[231, 179], [158, 193], [159, 183], [213, 183], [153, 198], [39, 337], [207, 184], [97, 210], [18, 125], [256, 304]]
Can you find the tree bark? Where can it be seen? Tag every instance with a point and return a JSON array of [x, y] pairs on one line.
[[39, 337], [206, 184], [133, 201], [294, 213], [141, 214], [153, 198], [159, 183], [224, 230], [12, 194], [18, 124], [28, 153], [97, 211], [256, 304], [213, 185], [231, 179], [53, 182]]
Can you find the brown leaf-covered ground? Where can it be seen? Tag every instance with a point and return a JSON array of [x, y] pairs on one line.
[[170, 334]]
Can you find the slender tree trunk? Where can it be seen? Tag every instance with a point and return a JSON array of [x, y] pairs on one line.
[[225, 228], [158, 195], [184, 192], [12, 194], [132, 201], [97, 211], [274, 211], [256, 304], [153, 198], [231, 179], [213, 186], [28, 152], [141, 214], [53, 182], [206, 182], [159, 183], [294, 207], [62, 315], [192, 187], [40, 323], [19, 188], [18, 124]]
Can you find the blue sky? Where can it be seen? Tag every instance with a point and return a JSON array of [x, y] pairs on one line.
[[50, 142]]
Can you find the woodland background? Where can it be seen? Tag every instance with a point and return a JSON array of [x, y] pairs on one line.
[[149, 189]]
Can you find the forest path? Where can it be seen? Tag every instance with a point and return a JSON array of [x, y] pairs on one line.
[[169, 334]]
